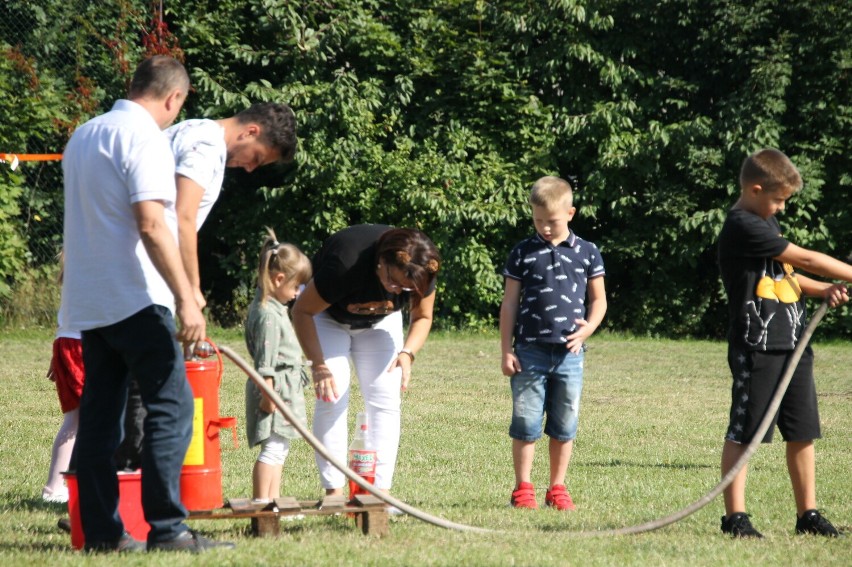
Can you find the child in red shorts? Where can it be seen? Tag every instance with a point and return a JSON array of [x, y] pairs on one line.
[[66, 370]]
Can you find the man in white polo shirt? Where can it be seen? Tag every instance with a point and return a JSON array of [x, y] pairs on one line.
[[124, 282]]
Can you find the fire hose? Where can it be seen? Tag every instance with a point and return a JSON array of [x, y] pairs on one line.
[[764, 426]]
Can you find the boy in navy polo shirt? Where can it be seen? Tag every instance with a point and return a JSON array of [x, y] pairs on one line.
[[544, 316], [767, 315]]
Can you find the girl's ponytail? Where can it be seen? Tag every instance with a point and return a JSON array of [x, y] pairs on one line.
[[276, 257]]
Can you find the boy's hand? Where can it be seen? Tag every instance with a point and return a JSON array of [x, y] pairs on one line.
[[836, 294], [510, 364], [578, 337]]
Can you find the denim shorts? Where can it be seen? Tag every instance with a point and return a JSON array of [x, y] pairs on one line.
[[550, 383]]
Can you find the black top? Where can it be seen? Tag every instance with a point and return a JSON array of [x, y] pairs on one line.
[[766, 309], [554, 281], [345, 276]]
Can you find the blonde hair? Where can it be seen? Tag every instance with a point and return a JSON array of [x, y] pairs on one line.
[[552, 193], [771, 169], [284, 258]]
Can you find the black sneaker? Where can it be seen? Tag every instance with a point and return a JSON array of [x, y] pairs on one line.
[[189, 541], [125, 544], [812, 522], [738, 525], [64, 524]]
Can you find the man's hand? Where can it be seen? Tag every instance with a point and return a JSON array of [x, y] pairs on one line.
[[191, 324]]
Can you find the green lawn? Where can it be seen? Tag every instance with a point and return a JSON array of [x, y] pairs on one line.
[[650, 437]]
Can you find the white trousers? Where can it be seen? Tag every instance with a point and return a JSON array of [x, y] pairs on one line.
[[371, 351]]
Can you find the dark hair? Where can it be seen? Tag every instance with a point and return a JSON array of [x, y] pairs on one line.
[[157, 77], [770, 169], [277, 126], [414, 253], [282, 258]]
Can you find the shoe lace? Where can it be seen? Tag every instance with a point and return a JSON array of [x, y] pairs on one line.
[[818, 522]]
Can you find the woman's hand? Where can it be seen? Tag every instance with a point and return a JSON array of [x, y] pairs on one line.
[[403, 361], [325, 387]]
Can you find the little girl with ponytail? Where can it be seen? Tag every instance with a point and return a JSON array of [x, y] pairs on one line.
[[272, 344]]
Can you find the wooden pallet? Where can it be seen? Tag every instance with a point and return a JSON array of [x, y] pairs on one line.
[[370, 513]]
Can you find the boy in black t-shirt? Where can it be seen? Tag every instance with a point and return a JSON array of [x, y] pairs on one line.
[[767, 316]]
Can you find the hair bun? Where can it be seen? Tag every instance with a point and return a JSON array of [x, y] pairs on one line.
[[402, 257], [432, 266]]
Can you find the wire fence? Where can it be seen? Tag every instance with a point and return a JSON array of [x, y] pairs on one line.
[[61, 65]]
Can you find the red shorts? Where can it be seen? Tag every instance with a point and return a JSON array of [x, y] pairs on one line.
[[68, 372]]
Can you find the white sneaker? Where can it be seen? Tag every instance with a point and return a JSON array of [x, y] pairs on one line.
[[59, 496]]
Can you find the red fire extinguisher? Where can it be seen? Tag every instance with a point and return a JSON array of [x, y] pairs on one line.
[[201, 476]]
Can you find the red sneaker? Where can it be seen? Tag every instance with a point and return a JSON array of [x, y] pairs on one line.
[[524, 496], [557, 497]]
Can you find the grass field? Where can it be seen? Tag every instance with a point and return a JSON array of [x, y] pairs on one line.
[[650, 437]]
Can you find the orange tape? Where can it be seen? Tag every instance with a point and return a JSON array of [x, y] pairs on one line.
[[31, 157]]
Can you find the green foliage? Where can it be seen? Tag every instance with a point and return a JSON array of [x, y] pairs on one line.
[[61, 63], [23, 101], [440, 115], [12, 246]]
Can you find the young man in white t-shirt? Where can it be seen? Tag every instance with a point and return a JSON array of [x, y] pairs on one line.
[[262, 134]]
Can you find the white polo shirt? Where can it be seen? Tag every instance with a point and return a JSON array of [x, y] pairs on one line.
[[111, 162], [200, 155]]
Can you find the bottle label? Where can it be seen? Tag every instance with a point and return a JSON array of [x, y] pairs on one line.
[[363, 462]]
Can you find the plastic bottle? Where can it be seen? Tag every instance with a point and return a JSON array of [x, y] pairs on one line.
[[361, 459]]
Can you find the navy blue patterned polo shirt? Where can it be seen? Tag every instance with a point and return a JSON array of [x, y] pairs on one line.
[[553, 286]]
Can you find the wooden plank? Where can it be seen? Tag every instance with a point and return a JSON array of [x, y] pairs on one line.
[[287, 504], [334, 503], [368, 500], [249, 505], [369, 512], [239, 504]]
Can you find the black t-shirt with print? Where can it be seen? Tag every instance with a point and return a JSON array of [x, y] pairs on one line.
[[345, 276], [765, 307]]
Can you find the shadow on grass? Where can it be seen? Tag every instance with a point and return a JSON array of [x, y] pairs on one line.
[[621, 463], [15, 501], [38, 547]]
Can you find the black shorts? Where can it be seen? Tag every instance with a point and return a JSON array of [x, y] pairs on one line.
[[756, 377]]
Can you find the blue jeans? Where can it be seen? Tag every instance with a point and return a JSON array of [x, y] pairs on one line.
[[551, 383], [143, 345]]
